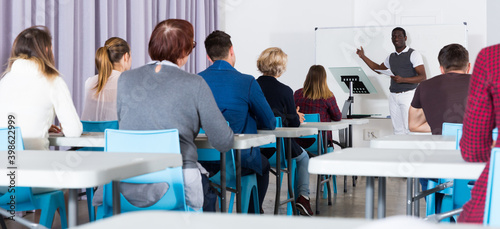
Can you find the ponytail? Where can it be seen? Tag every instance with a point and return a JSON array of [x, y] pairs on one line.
[[104, 68], [111, 53]]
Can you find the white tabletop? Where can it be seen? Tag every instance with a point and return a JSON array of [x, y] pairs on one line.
[[396, 163], [187, 220], [96, 139], [81, 169], [355, 121], [290, 132], [325, 125], [87, 139], [241, 141], [414, 142]]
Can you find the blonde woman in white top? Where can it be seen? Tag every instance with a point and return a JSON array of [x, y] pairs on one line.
[[34, 93], [111, 60]]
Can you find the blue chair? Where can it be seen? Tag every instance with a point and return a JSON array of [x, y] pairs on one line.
[[456, 196], [26, 200], [284, 164], [153, 141], [492, 205], [98, 126], [95, 126], [314, 150], [248, 182], [314, 147]]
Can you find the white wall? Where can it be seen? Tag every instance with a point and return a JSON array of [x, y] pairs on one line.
[[289, 24], [493, 22], [255, 25]]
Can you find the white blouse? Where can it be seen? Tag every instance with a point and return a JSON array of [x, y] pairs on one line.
[[35, 100], [101, 107]]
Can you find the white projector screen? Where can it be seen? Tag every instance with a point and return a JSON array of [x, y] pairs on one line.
[[336, 47]]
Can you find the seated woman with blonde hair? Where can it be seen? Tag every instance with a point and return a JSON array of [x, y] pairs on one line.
[[272, 63], [111, 60]]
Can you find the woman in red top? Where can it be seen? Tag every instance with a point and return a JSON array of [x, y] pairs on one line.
[[481, 116], [316, 97]]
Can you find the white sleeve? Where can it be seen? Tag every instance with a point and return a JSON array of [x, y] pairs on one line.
[[416, 59], [386, 62], [64, 108]]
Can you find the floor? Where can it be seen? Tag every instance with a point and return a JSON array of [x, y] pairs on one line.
[[349, 205]]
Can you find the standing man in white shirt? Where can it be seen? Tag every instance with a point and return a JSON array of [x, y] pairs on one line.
[[408, 68]]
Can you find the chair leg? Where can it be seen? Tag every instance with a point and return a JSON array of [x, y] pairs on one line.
[[52, 202], [345, 183], [2, 222], [329, 191], [318, 190], [334, 178], [91, 210]]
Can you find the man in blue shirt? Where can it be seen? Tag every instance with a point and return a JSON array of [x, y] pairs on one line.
[[242, 103]]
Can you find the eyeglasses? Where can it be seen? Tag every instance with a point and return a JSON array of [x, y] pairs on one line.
[[194, 44]]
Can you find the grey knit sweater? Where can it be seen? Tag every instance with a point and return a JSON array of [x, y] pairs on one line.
[[172, 99]]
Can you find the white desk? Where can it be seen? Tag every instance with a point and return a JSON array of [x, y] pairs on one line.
[[81, 169], [87, 139], [289, 133], [428, 142], [186, 220], [325, 126], [241, 141], [414, 142], [382, 163], [355, 121]]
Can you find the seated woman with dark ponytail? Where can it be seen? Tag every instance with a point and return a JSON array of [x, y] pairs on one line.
[[111, 60]]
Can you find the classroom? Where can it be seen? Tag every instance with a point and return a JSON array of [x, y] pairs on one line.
[[242, 111]]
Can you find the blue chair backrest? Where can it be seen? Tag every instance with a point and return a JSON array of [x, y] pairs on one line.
[[272, 145], [99, 126], [23, 194], [312, 118], [272, 160], [212, 155], [453, 129], [153, 141], [492, 205]]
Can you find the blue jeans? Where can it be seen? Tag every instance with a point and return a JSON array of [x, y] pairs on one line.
[[302, 178]]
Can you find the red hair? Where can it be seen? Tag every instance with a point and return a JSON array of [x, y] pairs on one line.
[[171, 40]]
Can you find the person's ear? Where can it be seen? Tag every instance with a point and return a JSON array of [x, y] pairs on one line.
[[442, 69], [231, 51], [468, 68]]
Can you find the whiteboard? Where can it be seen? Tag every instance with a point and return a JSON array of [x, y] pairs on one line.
[[336, 47]]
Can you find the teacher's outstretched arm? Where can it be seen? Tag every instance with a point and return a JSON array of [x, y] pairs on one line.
[[374, 66]]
